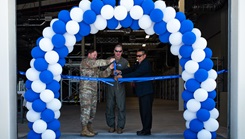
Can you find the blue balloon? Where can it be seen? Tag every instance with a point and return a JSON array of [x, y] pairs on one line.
[[30, 95], [156, 15], [54, 125], [160, 27], [33, 135], [214, 135], [59, 27], [46, 76], [135, 25], [127, 21], [28, 84], [47, 115], [96, 6], [53, 86], [180, 16], [188, 38], [38, 105], [84, 29], [58, 134], [186, 95], [78, 37], [186, 26], [62, 62], [196, 125], [188, 134], [37, 52], [185, 51], [56, 95], [192, 85], [62, 52], [30, 125], [138, 2], [58, 40], [206, 64], [112, 23], [208, 52], [147, 6], [110, 2], [38, 40], [183, 61], [208, 104], [203, 115], [212, 94], [164, 38], [40, 64], [201, 75], [64, 15], [89, 17]]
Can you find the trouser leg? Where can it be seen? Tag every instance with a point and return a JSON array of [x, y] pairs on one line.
[[85, 106], [110, 107], [120, 100]]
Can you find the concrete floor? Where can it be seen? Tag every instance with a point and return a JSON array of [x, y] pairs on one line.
[[168, 122]]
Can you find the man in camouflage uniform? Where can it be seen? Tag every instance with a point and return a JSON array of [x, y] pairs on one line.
[[88, 89]]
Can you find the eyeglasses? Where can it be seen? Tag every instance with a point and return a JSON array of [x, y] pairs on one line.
[[139, 55], [118, 51]]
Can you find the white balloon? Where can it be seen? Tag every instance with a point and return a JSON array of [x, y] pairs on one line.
[[28, 105], [32, 74], [197, 32], [169, 13], [174, 49], [188, 115], [39, 126], [200, 95], [150, 30], [70, 39], [118, 26], [46, 44], [145, 22], [93, 29], [175, 38], [56, 69], [46, 95], [191, 66], [160, 4], [76, 14], [57, 114], [48, 32], [193, 105], [48, 134], [187, 124], [128, 4], [51, 57], [32, 116], [85, 5], [204, 134], [120, 12], [198, 55], [54, 105], [52, 21], [214, 113], [212, 74], [209, 84], [136, 12], [186, 75], [38, 86], [107, 11], [57, 78], [100, 22], [72, 27], [200, 43], [70, 48], [173, 25], [211, 125], [32, 62]]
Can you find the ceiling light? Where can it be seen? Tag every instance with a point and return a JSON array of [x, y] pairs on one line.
[[143, 45], [147, 36]]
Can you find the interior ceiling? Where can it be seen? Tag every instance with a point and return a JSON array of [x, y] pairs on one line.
[[34, 15]]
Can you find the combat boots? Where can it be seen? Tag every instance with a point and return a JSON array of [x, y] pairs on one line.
[[86, 132], [90, 129]]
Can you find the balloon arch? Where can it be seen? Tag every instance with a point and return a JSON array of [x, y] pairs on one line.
[[89, 17]]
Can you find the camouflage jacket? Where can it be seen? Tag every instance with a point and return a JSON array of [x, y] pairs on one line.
[[90, 68]]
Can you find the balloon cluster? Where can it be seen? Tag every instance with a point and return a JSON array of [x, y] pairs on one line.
[[89, 17]]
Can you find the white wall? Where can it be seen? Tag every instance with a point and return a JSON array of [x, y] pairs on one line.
[[8, 120]]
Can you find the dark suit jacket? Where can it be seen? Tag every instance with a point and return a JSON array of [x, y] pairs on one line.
[[143, 69]]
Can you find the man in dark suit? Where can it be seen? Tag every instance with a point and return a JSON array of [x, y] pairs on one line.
[[144, 90]]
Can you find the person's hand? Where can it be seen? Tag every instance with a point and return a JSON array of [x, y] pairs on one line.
[[112, 59], [117, 72], [111, 66], [116, 77]]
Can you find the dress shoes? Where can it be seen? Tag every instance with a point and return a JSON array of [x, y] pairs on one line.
[[111, 130], [143, 133]]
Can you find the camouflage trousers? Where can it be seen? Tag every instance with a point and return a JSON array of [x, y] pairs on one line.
[[88, 104]]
